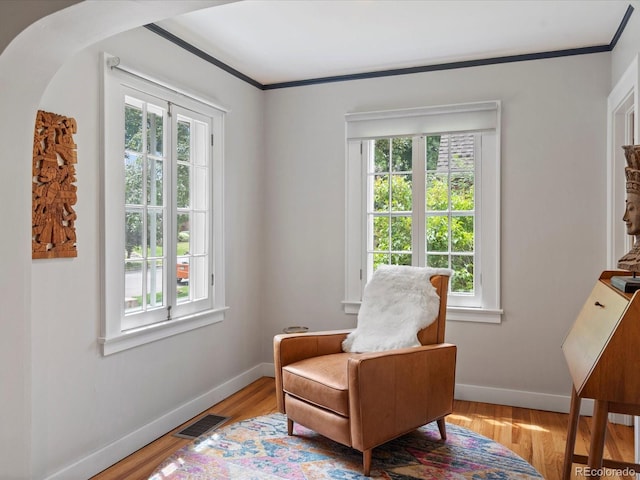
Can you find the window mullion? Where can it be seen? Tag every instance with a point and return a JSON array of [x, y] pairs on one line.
[[171, 207], [192, 198], [418, 221], [477, 213], [449, 210], [390, 202], [366, 196], [145, 209]]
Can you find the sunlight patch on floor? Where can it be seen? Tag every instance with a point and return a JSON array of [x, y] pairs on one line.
[[460, 418], [528, 426]]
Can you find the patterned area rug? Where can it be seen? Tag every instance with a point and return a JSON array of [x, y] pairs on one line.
[[260, 449]]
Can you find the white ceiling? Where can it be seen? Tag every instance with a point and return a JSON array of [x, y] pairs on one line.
[[274, 41]]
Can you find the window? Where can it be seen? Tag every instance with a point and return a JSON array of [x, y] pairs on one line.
[[423, 190], [163, 260]]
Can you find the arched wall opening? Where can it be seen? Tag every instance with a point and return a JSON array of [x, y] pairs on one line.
[[27, 64]]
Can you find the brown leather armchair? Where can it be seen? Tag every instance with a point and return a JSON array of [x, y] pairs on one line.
[[363, 400]]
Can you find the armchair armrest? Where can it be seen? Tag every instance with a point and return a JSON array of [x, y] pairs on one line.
[[290, 348], [394, 392]]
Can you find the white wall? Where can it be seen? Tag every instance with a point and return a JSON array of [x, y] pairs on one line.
[[83, 401], [553, 211]]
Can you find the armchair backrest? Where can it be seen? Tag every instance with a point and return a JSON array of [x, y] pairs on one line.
[[434, 333]]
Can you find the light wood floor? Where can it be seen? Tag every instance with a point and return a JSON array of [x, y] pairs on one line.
[[537, 436]]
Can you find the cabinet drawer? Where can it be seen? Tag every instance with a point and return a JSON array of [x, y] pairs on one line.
[[591, 331]]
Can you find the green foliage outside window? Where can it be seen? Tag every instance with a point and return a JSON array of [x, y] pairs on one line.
[[449, 206], [134, 172]]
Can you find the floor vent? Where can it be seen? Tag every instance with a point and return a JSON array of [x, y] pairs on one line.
[[201, 426]]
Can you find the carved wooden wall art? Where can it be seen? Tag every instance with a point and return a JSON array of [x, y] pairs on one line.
[[53, 189]]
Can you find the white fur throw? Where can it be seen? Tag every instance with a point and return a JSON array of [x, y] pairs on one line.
[[398, 302]]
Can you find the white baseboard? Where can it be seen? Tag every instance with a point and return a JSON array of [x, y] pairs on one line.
[[520, 398], [534, 400], [268, 369], [116, 451]]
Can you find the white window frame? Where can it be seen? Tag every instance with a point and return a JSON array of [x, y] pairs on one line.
[[116, 334], [481, 117], [622, 129]]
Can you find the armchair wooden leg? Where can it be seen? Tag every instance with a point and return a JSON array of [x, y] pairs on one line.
[[289, 427], [366, 462], [443, 428]]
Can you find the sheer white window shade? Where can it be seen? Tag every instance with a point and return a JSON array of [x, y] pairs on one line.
[[424, 120], [481, 119]]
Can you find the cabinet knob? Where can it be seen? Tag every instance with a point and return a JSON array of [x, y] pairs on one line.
[[598, 304]]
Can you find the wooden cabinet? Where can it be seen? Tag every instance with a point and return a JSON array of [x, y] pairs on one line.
[[602, 351]]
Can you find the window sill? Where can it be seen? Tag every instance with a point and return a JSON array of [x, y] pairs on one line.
[[457, 314], [151, 333], [478, 315]]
